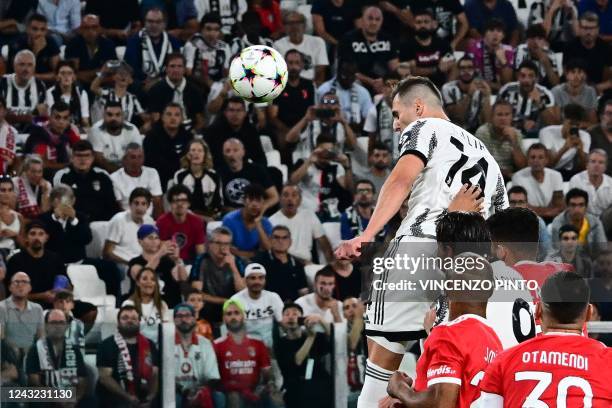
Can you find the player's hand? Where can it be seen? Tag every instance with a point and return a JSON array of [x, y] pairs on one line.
[[389, 402], [350, 249], [397, 383], [467, 199]]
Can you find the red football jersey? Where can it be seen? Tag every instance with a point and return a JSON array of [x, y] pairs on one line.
[[539, 272], [552, 370], [458, 352], [240, 365]]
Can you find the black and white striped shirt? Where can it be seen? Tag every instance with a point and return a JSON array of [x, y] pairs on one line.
[[522, 54], [129, 102], [201, 56], [22, 100], [452, 94], [523, 106]]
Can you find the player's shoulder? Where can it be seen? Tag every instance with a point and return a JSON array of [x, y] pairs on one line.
[[425, 126]]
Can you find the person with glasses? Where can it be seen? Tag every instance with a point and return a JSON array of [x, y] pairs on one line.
[[218, 274], [591, 234], [181, 226], [354, 219], [517, 197]]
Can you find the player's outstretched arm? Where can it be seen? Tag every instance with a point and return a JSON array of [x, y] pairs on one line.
[[440, 395]]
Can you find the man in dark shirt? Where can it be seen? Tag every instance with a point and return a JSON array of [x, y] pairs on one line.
[[479, 12], [450, 15], [332, 19], [117, 26], [374, 51], [166, 143], [601, 135], [92, 186]]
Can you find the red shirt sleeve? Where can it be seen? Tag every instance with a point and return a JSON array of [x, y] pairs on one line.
[[492, 382], [446, 360]]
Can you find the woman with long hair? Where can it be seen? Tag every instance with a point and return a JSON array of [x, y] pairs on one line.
[[68, 91], [198, 176], [147, 300]]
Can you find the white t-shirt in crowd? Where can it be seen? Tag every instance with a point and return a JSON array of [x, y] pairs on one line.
[[150, 319], [261, 313], [304, 227], [311, 186], [552, 138], [313, 48], [310, 307], [124, 184], [539, 194], [122, 230], [599, 198], [113, 147], [196, 366]]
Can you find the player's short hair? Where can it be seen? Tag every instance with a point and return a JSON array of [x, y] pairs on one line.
[[574, 112], [471, 267], [516, 228], [517, 190], [537, 146], [576, 193], [568, 228], [464, 232], [325, 272], [414, 87], [565, 295]]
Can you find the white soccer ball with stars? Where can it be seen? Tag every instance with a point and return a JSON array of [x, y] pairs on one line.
[[258, 73]]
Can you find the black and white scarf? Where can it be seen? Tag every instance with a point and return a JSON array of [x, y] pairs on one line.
[[55, 375], [152, 64], [21, 100], [355, 108]]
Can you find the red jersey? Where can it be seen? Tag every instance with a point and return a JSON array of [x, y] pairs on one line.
[[552, 370], [539, 272], [240, 365], [458, 352], [186, 235]]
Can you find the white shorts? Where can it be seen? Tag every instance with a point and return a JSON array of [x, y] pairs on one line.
[[397, 315]]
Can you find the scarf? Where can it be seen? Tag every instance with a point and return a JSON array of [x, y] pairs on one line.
[[125, 368], [18, 99], [152, 65], [355, 108], [7, 145], [178, 91], [27, 198], [58, 376], [489, 73]]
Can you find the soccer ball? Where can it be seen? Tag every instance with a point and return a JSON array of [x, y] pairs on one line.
[[258, 73]]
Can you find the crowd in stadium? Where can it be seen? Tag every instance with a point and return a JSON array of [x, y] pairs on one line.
[[127, 159]]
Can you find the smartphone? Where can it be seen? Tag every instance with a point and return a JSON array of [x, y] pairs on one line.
[[329, 155], [301, 321], [574, 131], [324, 113]]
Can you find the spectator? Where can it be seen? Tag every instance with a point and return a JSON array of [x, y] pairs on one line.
[[21, 319], [24, 94], [44, 48], [536, 49], [55, 362], [517, 197], [353, 313], [75, 332], [591, 235], [570, 253], [452, 22], [322, 302], [325, 118], [196, 361], [110, 137], [312, 47], [53, 140], [286, 275], [122, 243], [121, 79], [116, 26], [64, 18], [13, 15], [332, 19], [323, 179], [589, 47], [8, 360], [238, 349], [89, 49], [303, 343], [181, 226], [303, 224], [480, 12], [250, 228], [217, 274], [181, 17], [291, 105], [601, 134], [379, 121], [67, 91], [134, 174], [379, 161], [166, 143], [250, 26], [544, 186], [374, 51], [355, 219], [237, 174], [467, 99], [347, 277], [504, 142], [262, 308], [575, 90], [43, 267], [195, 298], [146, 52], [127, 364], [233, 123], [11, 222], [493, 59], [355, 100], [8, 145], [207, 55], [231, 13], [595, 182], [567, 144], [174, 87], [148, 301], [270, 15], [92, 186], [603, 10], [32, 189], [163, 258], [533, 104], [201, 179], [425, 54], [560, 21]]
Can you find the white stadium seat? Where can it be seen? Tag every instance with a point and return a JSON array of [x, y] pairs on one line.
[[120, 51], [305, 10], [528, 142], [99, 231], [266, 143], [273, 158], [311, 271], [332, 230], [88, 287], [211, 226], [5, 52]]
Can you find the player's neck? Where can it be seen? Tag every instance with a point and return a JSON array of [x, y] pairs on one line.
[[458, 309], [562, 329]]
